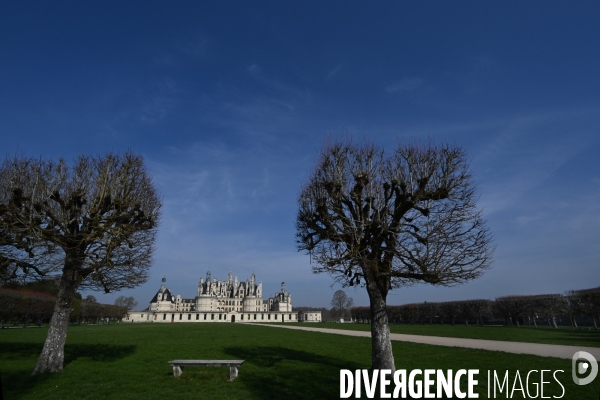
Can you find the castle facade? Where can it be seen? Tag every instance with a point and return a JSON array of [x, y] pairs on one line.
[[222, 301]]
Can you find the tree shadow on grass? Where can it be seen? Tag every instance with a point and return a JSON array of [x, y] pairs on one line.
[[282, 373], [16, 382], [279, 372], [585, 337], [96, 352]]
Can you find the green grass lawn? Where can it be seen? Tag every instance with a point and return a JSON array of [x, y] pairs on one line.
[[129, 361], [529, 334]]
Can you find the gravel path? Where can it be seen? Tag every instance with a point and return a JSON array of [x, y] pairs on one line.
[[538, 349]]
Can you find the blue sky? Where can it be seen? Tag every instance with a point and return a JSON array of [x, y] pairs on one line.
[[229, 103]]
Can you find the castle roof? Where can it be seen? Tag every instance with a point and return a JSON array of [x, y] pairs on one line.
[[163, 290]]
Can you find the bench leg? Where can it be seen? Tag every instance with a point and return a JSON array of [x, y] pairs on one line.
[[233, 372], [177, 370]]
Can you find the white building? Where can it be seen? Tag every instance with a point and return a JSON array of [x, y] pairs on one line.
[[221, 301]]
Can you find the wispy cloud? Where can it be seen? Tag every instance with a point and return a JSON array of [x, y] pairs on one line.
[[526, 154], [195, 46], [254, 69], [257, 73], [404, 85], [155, 108], [334, 70]]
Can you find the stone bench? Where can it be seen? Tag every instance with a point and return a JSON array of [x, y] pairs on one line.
[[232, 364]]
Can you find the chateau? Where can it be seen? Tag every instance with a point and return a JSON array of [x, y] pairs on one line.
[[222, 301]]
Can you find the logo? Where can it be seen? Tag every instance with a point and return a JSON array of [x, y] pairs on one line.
[[584, 363]]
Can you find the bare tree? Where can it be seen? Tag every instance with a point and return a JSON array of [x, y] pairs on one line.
[[90, 298], [481, 308], [341, 302], [128, 302], [551, 306], [574, 306], [465, 310], [409, 313], [428, 311], [387, 221], [93, 224], [589, 303], [450, 309], [513, 307], [360, 314]]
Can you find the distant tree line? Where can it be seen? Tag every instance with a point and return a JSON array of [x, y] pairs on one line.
[[27, 307], [582, 305]]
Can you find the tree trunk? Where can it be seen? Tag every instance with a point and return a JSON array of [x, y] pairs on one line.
[[573, 322], [381, 346], [52, 357]]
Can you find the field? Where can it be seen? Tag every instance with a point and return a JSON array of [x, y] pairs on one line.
[[566, 336], [129, 361]]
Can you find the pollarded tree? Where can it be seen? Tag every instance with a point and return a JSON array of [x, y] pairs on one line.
[[589, 303], [513, 307], [390, 220], [93, 224], [428, 312], [341, 302], [409, 313], [450, 310], [551, 306]]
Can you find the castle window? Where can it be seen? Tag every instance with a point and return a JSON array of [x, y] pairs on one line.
[[254, 316], [197, 317], [205, 317], [164, 316], [220, 316], [290, 316], [262, 316], [212, 316], [269, 316], [189, 317]]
